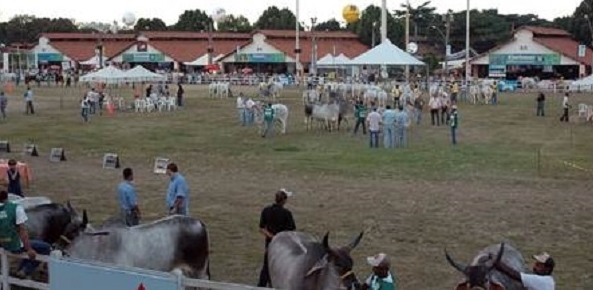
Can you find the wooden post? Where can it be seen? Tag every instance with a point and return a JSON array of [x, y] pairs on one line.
[[5, 270]]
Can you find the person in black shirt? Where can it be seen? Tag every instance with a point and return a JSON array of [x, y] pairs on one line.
[[274, 219]]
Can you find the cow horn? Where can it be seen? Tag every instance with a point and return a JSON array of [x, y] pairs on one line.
[[498, 256], [85, 218], [326, 242], [355, 242], [461, 268]]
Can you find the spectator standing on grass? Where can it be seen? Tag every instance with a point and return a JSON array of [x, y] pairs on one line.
[[269, 116], [565, 107], [418, 106], [128, 200], [273, 220], [402, 122], [249, 104], [374, 123], [434, 105], [29, 101], [388, 121], [14, 178], [360, 113], [84, 107], [3, 104], [241, 109], [177, 192], [541, 101], [180, 92], [445, 103], [15, 238], [454, 123]]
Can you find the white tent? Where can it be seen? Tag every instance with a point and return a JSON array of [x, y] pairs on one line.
[[107, 75], [386, 53], [141, 74], [203, 60], [332, 61]]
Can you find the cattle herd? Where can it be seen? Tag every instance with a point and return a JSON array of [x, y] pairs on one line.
[[180, 244]]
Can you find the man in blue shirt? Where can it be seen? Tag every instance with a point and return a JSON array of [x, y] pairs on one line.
[[389, 127], [128, 200], [178, 192], [402, 122]]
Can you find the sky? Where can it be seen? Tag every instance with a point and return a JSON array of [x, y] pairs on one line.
[[108, 11]]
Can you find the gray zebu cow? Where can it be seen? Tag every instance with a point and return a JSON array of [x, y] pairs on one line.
[[28, 202], [54, 223], [176, 244], [481, 274], [298, 261]]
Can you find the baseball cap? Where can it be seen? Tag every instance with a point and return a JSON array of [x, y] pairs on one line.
[[378, 260], [288, 193], [454, 107], [545, 259]]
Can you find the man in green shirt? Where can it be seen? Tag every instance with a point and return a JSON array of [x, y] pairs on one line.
[[360, 114], [269, 116], [381, 279], [454, 122], [14, 236]]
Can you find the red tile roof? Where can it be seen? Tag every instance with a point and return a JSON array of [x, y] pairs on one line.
[[183, 35], [349, 47], [545, 31], [566, 46], [187, 51], [307, 34], [84, 50], [86, 36]]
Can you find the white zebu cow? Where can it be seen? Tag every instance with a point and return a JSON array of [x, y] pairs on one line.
[[219, 89], [487, 92], [272, 89], [281, 115], [311, 96], [528, 84], [28, 202], [328, 114], [474, 92]]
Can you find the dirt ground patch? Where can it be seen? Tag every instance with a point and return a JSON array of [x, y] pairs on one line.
[[410, 203]]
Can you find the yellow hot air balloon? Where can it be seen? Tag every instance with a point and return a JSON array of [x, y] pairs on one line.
[[351, 13]]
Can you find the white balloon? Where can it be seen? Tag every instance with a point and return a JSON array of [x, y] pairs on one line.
[[129, 19], [219, 14]]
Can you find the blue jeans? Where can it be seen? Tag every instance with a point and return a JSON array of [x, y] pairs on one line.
[[249, 116], [418, 116], [28, 266], [85, 114], [242, 116], [374, 135], [453, 135], [400, 137], [494, 99], [389, 136], [92, 107]]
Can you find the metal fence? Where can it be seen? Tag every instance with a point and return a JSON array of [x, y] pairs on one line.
[[69, 274]]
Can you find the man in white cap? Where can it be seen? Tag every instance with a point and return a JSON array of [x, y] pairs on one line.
[[541, 279], [381, 279], [274, 219]]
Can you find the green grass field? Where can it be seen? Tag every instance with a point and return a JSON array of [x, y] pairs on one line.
[[508, 179]]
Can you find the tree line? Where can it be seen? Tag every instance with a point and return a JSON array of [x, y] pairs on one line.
[[488, 27]]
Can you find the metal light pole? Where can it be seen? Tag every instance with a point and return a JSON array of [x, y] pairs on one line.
[[407, 69], [297, 49], [314, 49], [448, 19], [210, 49], [383, 20], [467, 65], [373, 34]]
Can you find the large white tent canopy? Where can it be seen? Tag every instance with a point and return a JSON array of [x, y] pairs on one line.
[[94, 61], [141, 74], [106, 75], [330, 60], [386, 53], [203, 60]]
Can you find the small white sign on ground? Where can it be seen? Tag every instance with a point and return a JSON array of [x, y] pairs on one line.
[[57, 155], [30, 149], [160, 165], [111, 161]]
